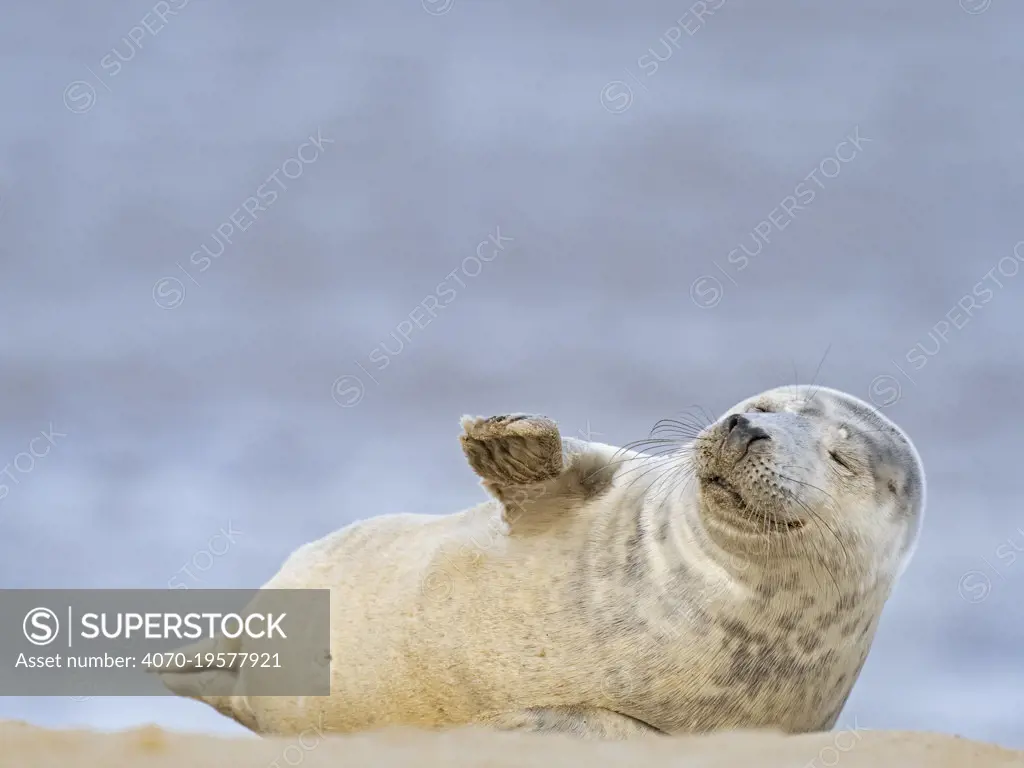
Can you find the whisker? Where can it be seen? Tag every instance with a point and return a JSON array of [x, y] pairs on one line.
[[817, 371], [684, 432], [635, 444], [658, 464], [642, 461]]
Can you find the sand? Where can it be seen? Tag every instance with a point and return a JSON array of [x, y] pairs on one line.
[[27, 746]]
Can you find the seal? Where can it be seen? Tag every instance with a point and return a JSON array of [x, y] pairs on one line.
[[734, 579]]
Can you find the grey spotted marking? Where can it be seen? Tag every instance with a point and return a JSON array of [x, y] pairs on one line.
[[790, 582], [636, 563], [809, 641], [828, 620], [733, 628], [756, 653], [663, 529], [867, 629], [829, 720], [767, 589], [662, 520], [789, 621], [850, 627]]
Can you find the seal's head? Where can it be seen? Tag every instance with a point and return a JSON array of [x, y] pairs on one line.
[[801, 461]]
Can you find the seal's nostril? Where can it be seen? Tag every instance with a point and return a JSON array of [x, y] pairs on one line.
[[740, 434], [735, 421]]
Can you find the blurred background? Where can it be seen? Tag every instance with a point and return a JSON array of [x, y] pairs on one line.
[[254, 254]]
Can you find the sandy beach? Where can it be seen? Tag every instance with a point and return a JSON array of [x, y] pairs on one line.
[[28, 746]]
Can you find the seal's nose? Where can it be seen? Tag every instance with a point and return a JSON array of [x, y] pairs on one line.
[[740, 433]]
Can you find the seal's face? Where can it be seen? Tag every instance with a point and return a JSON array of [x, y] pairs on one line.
[[799, 459]]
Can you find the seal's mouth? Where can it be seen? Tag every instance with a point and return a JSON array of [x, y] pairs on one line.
[[721, 486], [728, 497]]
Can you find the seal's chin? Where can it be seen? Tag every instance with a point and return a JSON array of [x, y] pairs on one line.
[[724, 494], [730, 504]]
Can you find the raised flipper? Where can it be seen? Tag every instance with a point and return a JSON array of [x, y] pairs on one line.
[[513, 450], [524, 462]]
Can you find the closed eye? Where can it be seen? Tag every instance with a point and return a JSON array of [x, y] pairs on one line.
[[759, 409]]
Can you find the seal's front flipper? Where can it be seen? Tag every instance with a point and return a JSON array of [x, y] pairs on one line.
[[536, 474], [584, 722], [520, 461], [512, 450]]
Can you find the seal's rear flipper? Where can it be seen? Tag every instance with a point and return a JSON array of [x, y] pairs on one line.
[[201, 685], [210, 673]]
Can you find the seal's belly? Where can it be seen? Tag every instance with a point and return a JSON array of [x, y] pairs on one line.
[[438, 620], [487, 629]]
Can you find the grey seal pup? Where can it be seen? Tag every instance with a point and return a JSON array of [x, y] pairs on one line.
[[733, 581]]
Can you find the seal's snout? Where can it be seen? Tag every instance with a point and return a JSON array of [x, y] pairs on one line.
[[740, 434]]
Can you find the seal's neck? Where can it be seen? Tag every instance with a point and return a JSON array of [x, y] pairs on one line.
[[768, 561]]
